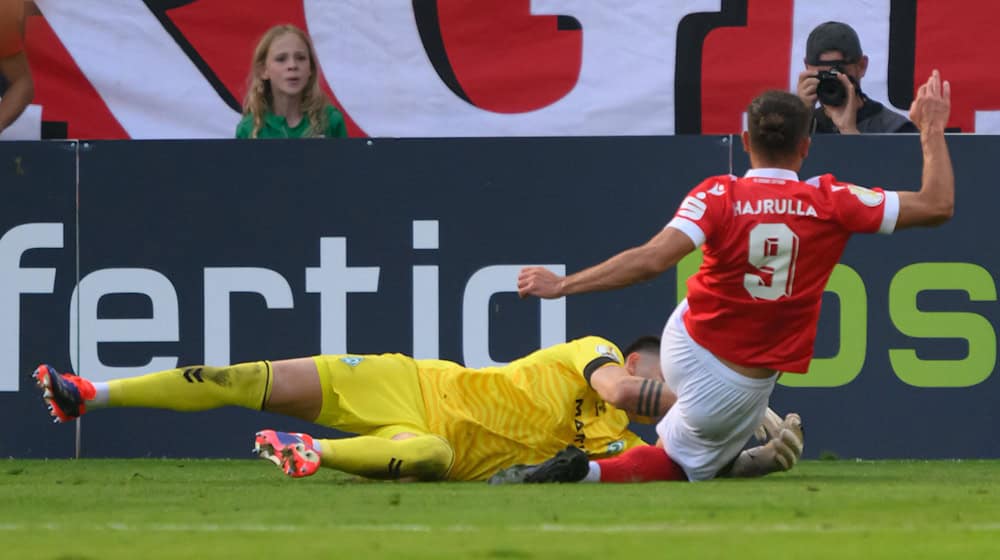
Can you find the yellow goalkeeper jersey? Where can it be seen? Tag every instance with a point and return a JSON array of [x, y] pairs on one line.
[[525, 411]]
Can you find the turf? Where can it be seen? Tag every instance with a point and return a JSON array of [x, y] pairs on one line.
[[168, 508]]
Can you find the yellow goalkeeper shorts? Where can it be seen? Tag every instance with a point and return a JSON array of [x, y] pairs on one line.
[[377, 395]]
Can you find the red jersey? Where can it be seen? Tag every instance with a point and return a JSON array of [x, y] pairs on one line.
[[770, 245], [11, 16]]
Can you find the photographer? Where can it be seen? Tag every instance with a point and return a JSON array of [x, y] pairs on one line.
[[834, 68]]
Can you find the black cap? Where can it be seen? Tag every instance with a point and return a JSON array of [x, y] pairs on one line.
[[833, 36]]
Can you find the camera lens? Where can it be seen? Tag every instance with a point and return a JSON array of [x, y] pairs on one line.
[[830, 91]]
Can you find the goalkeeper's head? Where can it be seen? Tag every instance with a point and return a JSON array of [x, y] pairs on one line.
[[642, 358]]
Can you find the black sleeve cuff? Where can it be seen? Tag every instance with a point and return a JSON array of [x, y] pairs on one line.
[[594, 364]]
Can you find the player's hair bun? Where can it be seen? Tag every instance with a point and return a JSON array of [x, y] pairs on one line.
[[773, 129], [777, 120]]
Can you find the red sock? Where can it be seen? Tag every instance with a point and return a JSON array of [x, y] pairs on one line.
[[641, 464]]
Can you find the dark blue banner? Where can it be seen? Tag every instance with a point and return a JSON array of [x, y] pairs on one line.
[[220, 252], [37, 277]]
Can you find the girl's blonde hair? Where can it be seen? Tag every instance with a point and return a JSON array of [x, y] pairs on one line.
[[259, 97]]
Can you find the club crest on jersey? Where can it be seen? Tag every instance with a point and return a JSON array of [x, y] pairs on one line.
[[352, 360], [607, 352], [867, 197]]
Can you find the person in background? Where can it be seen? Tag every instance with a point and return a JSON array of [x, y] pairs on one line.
[[16, 86], [834, 68], [284, 99]]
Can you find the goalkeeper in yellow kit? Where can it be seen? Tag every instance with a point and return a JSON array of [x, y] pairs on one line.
[[416, 419], [423, 419]]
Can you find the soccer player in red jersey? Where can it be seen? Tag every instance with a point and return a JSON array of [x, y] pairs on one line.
[[770, 243]]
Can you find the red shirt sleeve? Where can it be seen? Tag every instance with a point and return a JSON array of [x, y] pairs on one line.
[[862, 210], [701, 211]]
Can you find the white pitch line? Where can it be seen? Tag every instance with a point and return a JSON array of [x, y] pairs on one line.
[[542, 528]]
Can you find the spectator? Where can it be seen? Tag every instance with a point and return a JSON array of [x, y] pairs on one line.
[[284, 99], [18, 87], [843, 107]]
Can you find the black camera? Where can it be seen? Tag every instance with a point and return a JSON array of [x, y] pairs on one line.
[[830, 91]]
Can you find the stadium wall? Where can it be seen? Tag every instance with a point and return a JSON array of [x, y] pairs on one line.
[[119, 258]]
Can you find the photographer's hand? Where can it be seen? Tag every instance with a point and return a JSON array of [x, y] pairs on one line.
[[845, 117], [806, 89]]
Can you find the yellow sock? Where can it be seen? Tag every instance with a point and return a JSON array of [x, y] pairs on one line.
[[195, 388], [421, 457]]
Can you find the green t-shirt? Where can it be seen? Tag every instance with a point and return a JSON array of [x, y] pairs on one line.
[[276, 126]]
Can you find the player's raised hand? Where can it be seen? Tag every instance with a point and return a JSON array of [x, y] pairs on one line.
[[931, 108], [540, 282]]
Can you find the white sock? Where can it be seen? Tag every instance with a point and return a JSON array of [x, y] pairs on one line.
[[595, 473], [100, 400]]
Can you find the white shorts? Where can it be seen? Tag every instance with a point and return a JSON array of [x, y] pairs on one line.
[[717, 408]]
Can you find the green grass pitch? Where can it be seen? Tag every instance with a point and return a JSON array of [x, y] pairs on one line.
[[170, 508]]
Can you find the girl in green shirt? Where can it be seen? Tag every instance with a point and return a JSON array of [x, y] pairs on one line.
[[284, 99]]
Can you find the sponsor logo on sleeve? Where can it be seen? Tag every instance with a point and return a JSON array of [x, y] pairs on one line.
[[867, 197], [616, 447], [692, 209], [352, 360]]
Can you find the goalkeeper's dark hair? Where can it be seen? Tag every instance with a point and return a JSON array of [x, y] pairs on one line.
[[649, 344], [778, 121]]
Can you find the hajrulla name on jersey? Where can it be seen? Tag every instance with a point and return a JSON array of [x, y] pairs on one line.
[[784, 206]]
